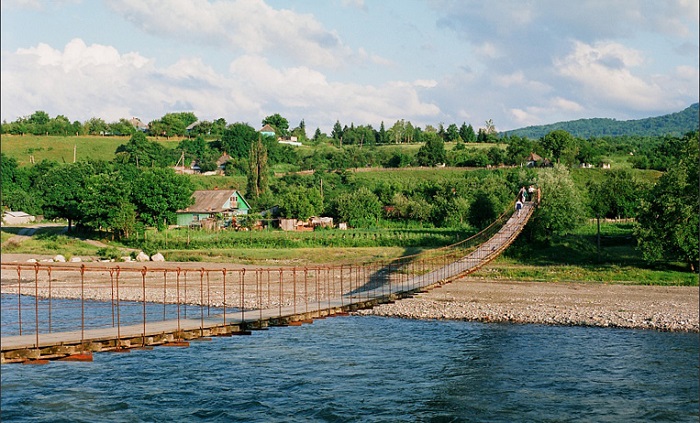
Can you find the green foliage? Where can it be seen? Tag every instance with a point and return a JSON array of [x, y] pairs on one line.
[[158, 193], [172, 124], [257, 170], [301, 203], [432, 152], [62, 189], [108, 253], [617, 195], [519, 148], [105, 204], [360, 208], [561, 209], [237, 139], [556, 143], [142, 152], [668, 221]]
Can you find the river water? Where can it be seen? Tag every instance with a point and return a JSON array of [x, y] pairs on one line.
[[373, 369]]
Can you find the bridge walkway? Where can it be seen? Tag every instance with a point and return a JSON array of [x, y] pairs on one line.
[[178, 331]]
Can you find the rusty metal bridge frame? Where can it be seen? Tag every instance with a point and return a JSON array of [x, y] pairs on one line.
[[66, 311]]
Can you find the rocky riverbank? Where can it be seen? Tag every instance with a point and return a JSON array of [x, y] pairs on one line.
[[665, 308]]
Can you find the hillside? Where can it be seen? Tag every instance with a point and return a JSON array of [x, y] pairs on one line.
[[671, 124]]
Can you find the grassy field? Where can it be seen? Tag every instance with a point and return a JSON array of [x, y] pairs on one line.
[[60, 149]]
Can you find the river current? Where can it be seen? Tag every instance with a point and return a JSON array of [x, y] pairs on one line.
[[373, 369]]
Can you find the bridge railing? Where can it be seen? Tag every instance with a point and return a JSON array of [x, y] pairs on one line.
[[45, 298]]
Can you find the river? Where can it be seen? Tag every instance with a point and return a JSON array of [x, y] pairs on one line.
[[374, 369]]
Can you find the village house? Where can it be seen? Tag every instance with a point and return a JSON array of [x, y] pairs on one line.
[[140, 126], [212, 208]]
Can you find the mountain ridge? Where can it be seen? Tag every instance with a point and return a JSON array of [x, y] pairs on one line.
[[676, 124]]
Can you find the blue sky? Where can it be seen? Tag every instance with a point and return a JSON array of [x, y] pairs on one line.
[[517, 62]]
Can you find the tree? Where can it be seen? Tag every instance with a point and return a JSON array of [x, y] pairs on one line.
[[158, 193], [105, 204], [337, 133], [301, 203], [62, 189], [142, 152], [360, 208], [95, 126], [383, 136], [17, 193], [237, 139], [432, 152], [615, 196], [483, 209], [518, 149], [561, 208], [667, 224], [300, 131], [452, 133], [556, 142], [467, 133], [38, 122], [257, 170]]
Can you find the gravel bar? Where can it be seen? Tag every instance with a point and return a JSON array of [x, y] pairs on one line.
[[663, 308]]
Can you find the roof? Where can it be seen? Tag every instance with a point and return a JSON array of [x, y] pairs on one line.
[[223, 159], [17, 214], [192, 125], [211, 201], [136, 122], [267, 128], [534, 157]]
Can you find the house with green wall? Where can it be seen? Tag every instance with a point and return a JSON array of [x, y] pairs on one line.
[[212, 205]]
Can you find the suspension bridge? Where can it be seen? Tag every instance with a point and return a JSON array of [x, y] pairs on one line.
[[67, 311]]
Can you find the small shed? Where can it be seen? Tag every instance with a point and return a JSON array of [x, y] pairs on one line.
[[223, 205], [17, 218]]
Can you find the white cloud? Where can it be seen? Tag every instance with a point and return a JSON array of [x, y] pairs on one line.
[[542, 114], [248, 26], [604, 71], [84, 81]]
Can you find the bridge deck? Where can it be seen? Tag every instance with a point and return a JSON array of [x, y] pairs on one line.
[[61, 344]]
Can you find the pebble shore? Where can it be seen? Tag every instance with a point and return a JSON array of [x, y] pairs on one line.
[[663, 308]]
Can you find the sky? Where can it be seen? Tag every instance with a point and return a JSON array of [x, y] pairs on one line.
[[361, 62]]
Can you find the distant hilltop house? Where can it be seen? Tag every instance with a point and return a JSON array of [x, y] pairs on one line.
[[269, 131], [213, 207], [140, 126], [193, 167]]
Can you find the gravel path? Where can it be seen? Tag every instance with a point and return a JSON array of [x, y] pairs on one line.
[[666, 308]]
